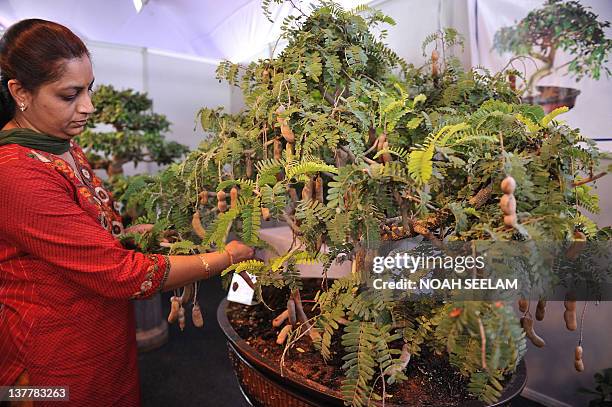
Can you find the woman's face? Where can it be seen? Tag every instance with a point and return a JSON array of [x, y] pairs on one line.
[[61, 108]]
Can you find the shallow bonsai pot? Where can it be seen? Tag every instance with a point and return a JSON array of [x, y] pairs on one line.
[[553, 97], [262, 385]]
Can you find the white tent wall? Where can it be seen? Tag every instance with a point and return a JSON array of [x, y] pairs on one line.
[[179, 86], [122, 67], [416, 19]]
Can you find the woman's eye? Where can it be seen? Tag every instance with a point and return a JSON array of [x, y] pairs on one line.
[[69, 98]]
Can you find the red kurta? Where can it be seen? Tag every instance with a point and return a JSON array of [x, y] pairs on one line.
[[66, 282]]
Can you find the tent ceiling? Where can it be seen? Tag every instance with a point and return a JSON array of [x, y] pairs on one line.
[[233, 29]]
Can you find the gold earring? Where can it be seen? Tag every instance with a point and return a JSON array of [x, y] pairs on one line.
[[22, 107]]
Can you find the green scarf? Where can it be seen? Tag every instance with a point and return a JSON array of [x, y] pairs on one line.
[[32, 139]]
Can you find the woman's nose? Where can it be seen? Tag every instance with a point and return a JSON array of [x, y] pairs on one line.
[[87, 106]]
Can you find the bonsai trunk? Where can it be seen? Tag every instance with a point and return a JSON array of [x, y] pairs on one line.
[[115, 166], [543, 72]]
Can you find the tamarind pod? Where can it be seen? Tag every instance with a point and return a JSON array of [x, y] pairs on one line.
[[174, 309], [512, 81], [278, 152], [523, 304], [265, 75], [386, 157], [578, 362], [293, 194], [291, 312], [536, 339], [434, 63], [307, 190], [570, 302], [577, 246], [196, 225], [196, 316], [371, 135], [203, 195], [507, 203], [289, 151], [570, 320], [233, 197], [221, 204], [540, 310], [181, 318], [319, 243], [319, 188], [508, 185], [527, 324], [510, 220], [341, 158], [249, 166], [380, 141], [282, 336], [278, 321], [265, 213], [287, 133], [293, 201], [578, 352]]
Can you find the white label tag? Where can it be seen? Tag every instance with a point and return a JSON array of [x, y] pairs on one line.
[[240, 291]]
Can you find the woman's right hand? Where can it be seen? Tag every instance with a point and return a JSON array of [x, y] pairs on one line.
[[239, 251]]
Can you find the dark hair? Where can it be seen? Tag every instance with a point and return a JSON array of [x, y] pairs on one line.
[[32, 51]]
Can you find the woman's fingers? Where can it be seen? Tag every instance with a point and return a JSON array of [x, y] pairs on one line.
[[239, 251], [143, 228]]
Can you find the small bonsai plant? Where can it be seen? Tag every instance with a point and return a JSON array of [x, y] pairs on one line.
[[603, 389], [560, 25], [136, 134], [351, 146]]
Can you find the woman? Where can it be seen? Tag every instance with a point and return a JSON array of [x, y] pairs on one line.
[[65, 281]]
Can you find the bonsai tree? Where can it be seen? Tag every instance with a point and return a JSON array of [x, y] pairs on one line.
[[603, 389], [351, 146], [564, 25], [136, 134]]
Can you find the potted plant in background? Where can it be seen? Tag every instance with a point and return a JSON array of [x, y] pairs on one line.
[[603, 389], [351, 147], [125, 129], [559, 25]]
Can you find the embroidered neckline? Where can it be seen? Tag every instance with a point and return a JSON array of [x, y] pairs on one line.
[[108, 214]]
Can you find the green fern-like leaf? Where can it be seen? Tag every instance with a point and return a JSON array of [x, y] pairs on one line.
[[309, 167], [359, 341], [551, 116], [218, 231]]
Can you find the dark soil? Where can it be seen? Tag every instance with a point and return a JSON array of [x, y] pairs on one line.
[[431, 379]]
